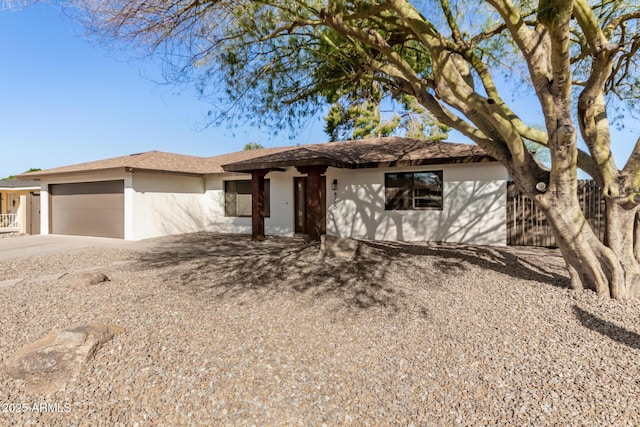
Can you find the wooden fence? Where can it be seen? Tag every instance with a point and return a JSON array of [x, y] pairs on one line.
[[527, 225]]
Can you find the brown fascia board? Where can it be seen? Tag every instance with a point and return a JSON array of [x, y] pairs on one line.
[[318, 161], [249, 171], [422, 162]]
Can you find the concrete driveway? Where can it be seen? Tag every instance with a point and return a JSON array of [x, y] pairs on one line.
[[23, 246]]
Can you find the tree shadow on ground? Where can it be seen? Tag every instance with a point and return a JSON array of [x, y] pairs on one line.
[[227, 266], [608, 329], [538, 264]]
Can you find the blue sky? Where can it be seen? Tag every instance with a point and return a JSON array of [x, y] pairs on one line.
[[64, 100]]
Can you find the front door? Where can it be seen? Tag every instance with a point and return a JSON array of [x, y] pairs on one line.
[[301, 203]]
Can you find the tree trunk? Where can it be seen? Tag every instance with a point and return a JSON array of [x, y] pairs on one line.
[[611, 270], [621, 239]]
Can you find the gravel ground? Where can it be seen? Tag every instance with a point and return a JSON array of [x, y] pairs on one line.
[[224, 331]]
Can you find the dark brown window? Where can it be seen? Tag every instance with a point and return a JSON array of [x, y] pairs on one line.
[[413, 190], [237, 198]]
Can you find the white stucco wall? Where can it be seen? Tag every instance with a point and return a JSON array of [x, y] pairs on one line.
[[280, 222], [474, 198], [155, 204], [44, 207], [22, 213], [164, 204]]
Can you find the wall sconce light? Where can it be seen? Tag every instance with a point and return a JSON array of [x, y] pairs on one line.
[[334, 184]]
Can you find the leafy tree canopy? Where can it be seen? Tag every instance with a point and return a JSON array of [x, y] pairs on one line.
[[30, 170], [280, 61], [252, 146], [359, 115]]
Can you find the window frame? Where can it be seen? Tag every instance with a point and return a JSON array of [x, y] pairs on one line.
[[405, 190], [228, 196]]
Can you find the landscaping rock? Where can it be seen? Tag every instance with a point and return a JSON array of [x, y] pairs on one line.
[[88, 279], [46, 363], [338, 247]]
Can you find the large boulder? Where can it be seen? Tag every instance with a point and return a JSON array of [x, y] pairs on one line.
[[50, 361]]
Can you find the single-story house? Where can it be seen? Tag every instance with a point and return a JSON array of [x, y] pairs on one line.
[[380, 189], [20, 205]]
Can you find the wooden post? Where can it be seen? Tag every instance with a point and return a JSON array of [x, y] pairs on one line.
[[257, 204], [313, 202], [316, 209]]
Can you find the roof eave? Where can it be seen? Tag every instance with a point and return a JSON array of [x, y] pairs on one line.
[[248, 171], [124, 169], [247, 167], [45, 174], [423, 162]]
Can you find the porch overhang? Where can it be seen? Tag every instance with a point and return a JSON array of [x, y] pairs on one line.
[[313, 161], [316, 215], [281, 161], [266, 170], [364, 155]]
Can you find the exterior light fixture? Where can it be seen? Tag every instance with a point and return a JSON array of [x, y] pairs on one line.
[[541, 187], [334, 185]]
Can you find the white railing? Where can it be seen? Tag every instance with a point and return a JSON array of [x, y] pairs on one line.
[[9, 221]]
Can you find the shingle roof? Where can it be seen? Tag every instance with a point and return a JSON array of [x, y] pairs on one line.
[[150, 160], [157, 161], [346, 154], [16, 184], [388, 151], [216, 162]]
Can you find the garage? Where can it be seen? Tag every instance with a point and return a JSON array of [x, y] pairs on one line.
[[88, 208]]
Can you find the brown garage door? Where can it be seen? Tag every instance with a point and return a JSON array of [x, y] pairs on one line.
[[88, 208]]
